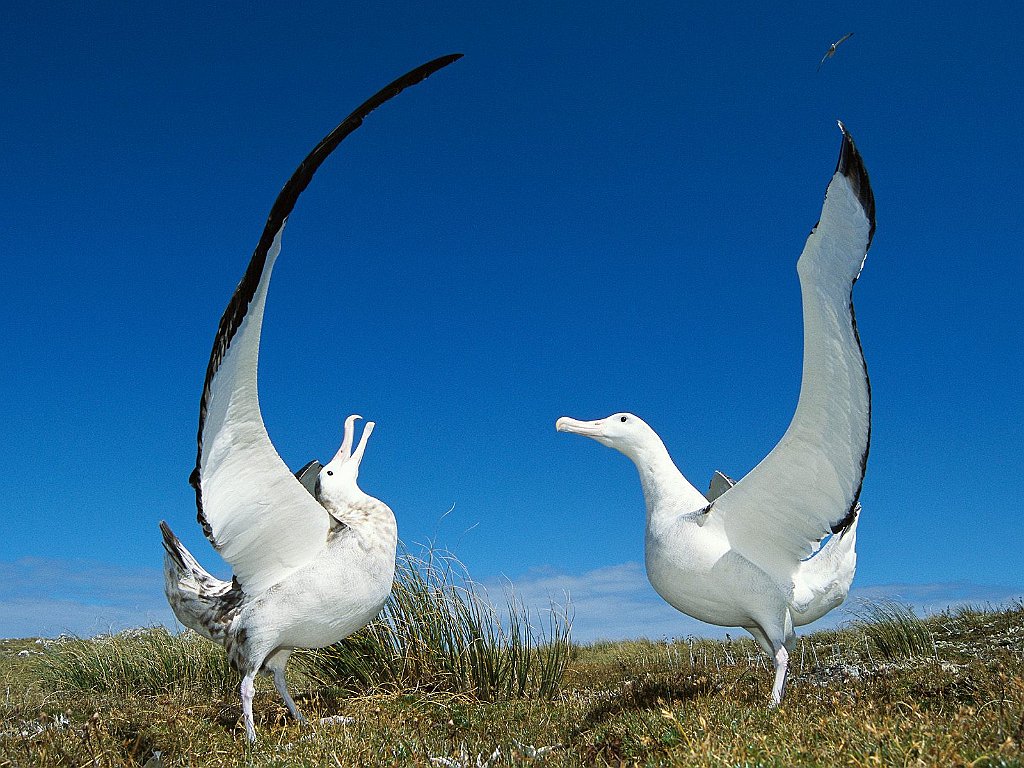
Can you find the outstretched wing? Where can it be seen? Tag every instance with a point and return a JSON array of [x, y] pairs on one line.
[[808, 486], [254, 511]]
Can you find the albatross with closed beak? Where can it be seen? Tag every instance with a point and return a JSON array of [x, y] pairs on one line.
[[750, 554]]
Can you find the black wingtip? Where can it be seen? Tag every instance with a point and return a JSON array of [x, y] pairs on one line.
[[287, 197], [170, 541], [444, 61], [851, 165]]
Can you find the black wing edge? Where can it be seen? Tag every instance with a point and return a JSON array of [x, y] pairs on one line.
[[843, 525], [282, 208], [851, 165]]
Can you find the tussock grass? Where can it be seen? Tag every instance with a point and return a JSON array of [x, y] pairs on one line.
[[895, 631], [439, 631], [138, 661]]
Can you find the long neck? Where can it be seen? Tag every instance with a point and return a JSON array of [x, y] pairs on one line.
[[666, 492]]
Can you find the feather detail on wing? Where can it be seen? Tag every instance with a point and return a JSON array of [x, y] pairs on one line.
[[808, 486], [255, 512]]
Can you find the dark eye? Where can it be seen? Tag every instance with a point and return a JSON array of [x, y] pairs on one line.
[[622, 419], [330, 473]]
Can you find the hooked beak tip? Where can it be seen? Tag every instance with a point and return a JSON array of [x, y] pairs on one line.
[[357, 455], [586, 428]]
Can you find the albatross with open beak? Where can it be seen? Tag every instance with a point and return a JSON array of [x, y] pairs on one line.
[[309, 570]]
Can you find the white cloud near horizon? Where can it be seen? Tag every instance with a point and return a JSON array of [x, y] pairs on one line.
[[617, 602], [42, 597], [47, 597]]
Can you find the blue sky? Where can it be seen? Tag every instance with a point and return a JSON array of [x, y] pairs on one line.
[[598, 209]]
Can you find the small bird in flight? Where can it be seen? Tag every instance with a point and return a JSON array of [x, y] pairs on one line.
[[832, 48]]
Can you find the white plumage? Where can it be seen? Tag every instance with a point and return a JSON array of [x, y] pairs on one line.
[[749, 554], [309, 568]]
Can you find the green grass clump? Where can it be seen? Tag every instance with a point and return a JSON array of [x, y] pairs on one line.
[[439, 631], [138, 661], [895, 631]]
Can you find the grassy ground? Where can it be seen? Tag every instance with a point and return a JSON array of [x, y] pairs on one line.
[[888, 690]]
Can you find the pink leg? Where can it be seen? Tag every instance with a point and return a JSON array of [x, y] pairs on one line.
[[781, 667], [248, 691]]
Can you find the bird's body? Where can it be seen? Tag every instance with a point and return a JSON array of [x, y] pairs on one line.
[[750, 554], [341, 589], [338, 592], [693, 565], [313, 556]]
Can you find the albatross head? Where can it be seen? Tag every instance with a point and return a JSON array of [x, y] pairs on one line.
[[337, 480], [624, 432]]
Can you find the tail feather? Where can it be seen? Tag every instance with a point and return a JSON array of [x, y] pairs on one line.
[[823, 581], [201, 601]]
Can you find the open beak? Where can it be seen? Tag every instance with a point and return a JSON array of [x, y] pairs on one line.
[[594, 429], [346, 445], [345, 453], [357, 456]]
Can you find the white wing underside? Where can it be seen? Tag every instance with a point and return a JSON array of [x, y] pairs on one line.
[[258, 515], [264, 522], [776, 514]]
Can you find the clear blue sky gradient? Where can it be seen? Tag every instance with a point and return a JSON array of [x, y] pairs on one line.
[[599, 208]]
